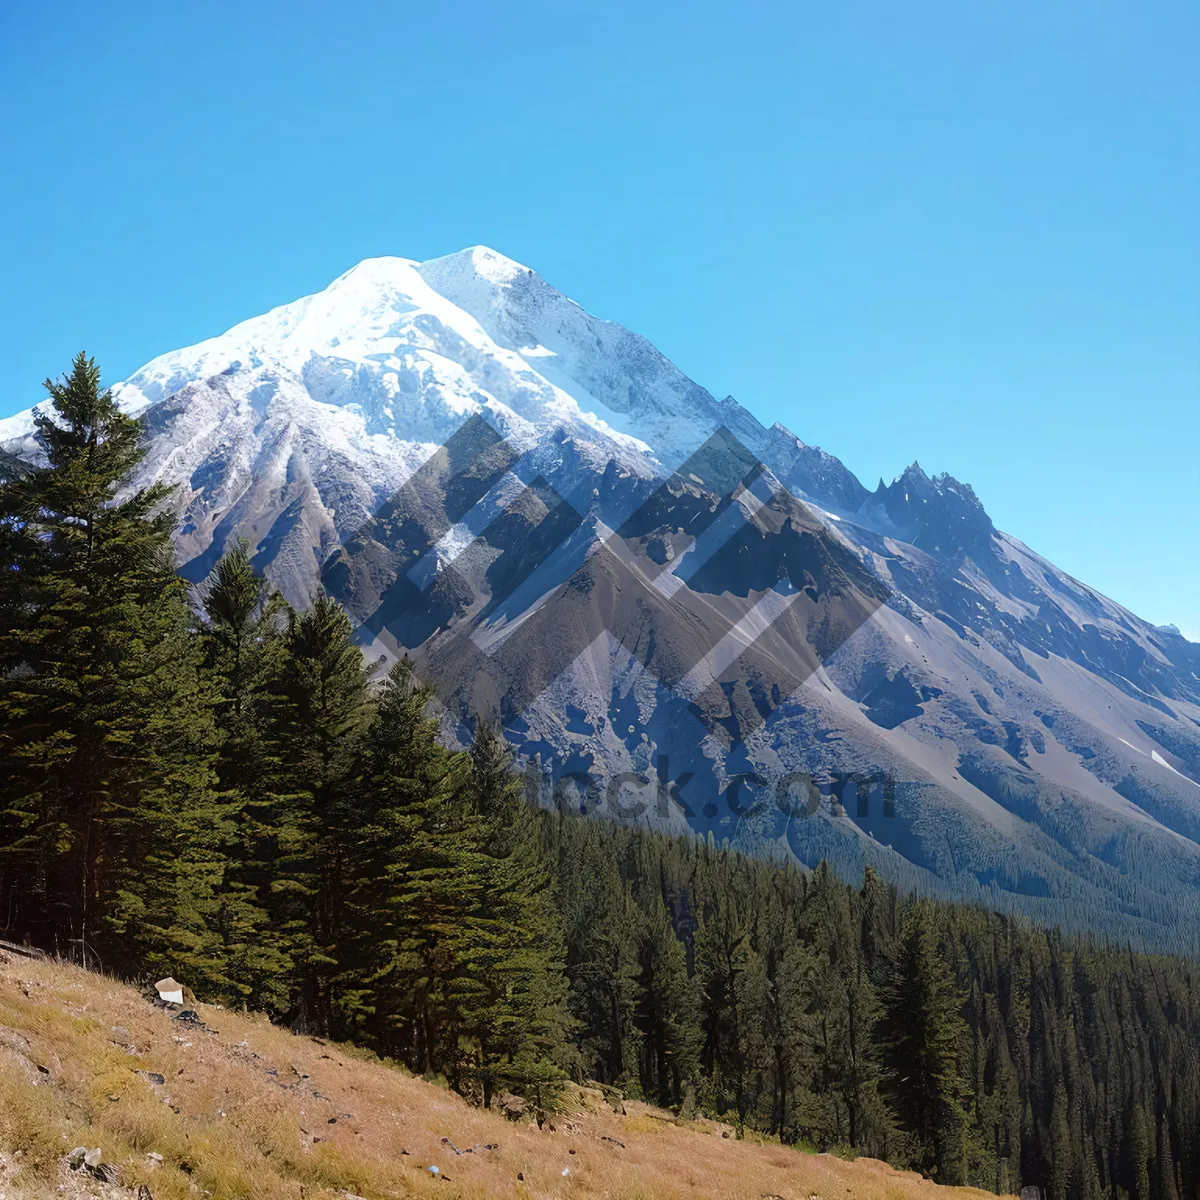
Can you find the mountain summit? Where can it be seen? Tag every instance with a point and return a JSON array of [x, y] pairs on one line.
[[1039, 745]]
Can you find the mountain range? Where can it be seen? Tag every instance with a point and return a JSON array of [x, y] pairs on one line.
[[683, 617]]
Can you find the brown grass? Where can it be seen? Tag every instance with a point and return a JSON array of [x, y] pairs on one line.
[[252, 1112]]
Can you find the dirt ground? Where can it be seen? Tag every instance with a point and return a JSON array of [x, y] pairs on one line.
[[234, 1108]]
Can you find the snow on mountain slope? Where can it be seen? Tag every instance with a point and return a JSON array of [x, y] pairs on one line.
[[1043, 742], [449, 336]]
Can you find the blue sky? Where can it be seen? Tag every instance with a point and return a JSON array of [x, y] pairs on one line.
[[959, 233]]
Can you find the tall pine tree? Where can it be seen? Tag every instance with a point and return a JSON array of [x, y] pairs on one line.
[[412, 879], [510, 991], [924, 1034], [305, 825], [111, 829], [244, 650]]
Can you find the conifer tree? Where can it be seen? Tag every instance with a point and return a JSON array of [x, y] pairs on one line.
[[510, 988], [845, 1005], [732, 981], [412, 877], [603, 930], [668, 1011], [1167, 1188], [306, 823], [243, 646], [1142, 1151], [1062, 1158], [924, 1034], [244, 628], [111, 826]]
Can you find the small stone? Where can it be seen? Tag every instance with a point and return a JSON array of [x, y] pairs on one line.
[[14, 1040], [75, 1158], [92, 1157]]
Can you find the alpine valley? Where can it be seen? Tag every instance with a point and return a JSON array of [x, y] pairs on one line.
[[1041, 743]]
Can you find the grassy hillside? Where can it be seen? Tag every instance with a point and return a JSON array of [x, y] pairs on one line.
[[238, 1108]]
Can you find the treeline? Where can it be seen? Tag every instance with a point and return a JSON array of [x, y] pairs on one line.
[[211, 785]]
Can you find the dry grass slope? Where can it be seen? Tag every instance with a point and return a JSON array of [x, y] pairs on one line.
[[246, 1111]]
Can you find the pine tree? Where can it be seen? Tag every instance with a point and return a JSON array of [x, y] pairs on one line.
[[1141, 1139], [111, 827], [306, 824], [732, 980], [668, 1012], [846, 1010], [244, 628], [796, 1026], [1167, 1188], [244, 648], [602, 924], [1062, 1158], [411, 880], [924, 1032], [510, 988]]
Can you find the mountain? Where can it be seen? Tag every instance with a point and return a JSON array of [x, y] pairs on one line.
[[683, 617]]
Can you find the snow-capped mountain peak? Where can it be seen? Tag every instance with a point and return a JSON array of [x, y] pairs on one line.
[[468, 331]]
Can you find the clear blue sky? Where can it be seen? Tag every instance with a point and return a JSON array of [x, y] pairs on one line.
[[962, 233]]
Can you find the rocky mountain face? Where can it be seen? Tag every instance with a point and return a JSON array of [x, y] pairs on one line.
[[680, 616]]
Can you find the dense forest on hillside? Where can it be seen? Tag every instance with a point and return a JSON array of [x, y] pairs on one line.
[[207, 783]]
